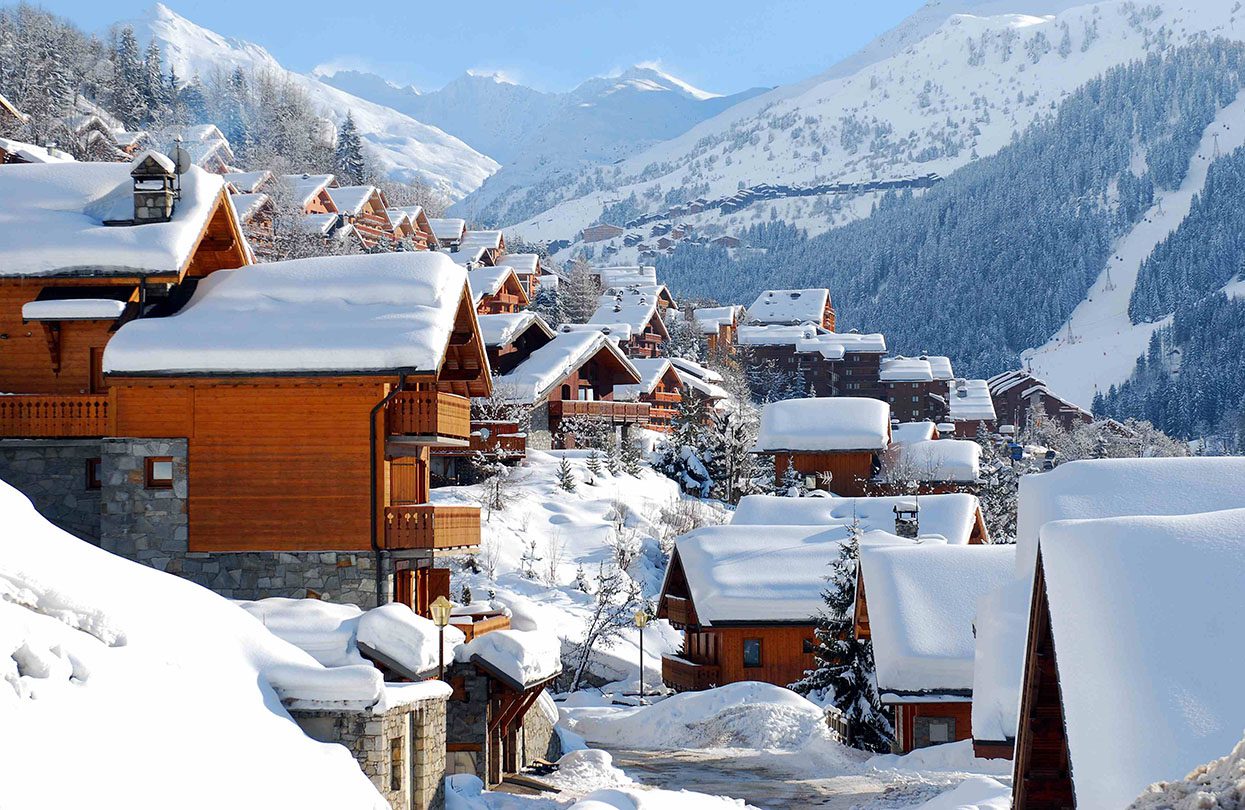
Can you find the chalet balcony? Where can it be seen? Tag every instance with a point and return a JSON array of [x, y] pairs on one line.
[[496, 439], [51, 416], [475, 625], [424, 527], [688, 676], [617, 412], [429, 418], [679, 612]]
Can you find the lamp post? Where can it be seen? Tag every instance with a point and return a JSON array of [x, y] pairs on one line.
[[641, 619], [440, 610]]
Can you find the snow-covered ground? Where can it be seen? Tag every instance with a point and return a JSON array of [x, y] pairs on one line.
[[1103, 345]]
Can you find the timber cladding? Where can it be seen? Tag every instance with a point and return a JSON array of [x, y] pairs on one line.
[[26, 358], [783, 659], [272, 465], [849, 471]]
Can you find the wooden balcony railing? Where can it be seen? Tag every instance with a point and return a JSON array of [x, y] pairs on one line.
[[688, 676], [672, 397], [426, 527], [54, 416], [476, 625], [603, 409], [432, 415], [679, 612], [503, 439]]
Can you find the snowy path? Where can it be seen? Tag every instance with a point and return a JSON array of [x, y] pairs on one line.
[[763, 781], [1105, 343]]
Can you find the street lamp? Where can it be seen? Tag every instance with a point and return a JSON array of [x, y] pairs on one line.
[[440, 610], [641, 619]]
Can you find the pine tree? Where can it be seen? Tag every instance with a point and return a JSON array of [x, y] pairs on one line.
[[350, 165], [547, 304], [579, 293], [845, 671], [128, 80], [630, 456], [154, 92], [566, 476], [594, 464]]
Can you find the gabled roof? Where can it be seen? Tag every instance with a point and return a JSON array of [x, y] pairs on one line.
[[970, 401], [12, 110], [1137, 709], [907, 432], [624, 275], [247, 182], [322, 224], [304, 188], [30, 153], [444, 229], [824, 424], [351, 199], [952, 516], [789, 306], [710, 319], [536, 376], [248, 205], [922, 598], [490, 281], [940, 366], [691, 367], [525, 264], [376, 313], [632, 307], [506, 327], [489, 240], [652, 370], [465, 256], [52, 221], [617, 332]]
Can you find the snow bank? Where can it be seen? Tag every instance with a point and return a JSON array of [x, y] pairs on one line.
[[375, 312], [974, 793], [527, 657], [952, 516], [1218, 784], [143, 682], [922, 598], [739, 715], [824, 424], [402, 636], [52, 221], [954, 757], [955, 460], [1137, 710]]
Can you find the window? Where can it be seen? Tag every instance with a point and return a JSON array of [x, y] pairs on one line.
[[752, 652], [159, 472], [92, 473], [939, 731], [808, 646]]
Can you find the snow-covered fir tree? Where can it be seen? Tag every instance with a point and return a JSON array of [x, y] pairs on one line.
[[566, 476], [349, 162]]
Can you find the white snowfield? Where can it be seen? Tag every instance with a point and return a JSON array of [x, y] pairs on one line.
[[141, 679], [922, 597], [378, 312], [1135, 710], [52, 221], [951, 516], [402, 147], [824, 424]]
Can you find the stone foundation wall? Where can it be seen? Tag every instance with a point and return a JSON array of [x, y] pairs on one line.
[[401, 750], [540, 740], [53, 474], [467, 715]]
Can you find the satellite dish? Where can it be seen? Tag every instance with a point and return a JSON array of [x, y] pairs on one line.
[[181, 160]]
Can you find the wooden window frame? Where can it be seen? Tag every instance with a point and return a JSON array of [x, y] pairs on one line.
[[93, 481], [808, 646], [149, 479], [760, 654]]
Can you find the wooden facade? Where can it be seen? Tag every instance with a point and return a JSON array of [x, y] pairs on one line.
[[510, 297], [850, 471], [920, 724], [664, 401], [917, 401], [646, 342]]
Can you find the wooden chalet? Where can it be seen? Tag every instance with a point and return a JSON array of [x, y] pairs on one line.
[[1018, 397], [600, 233], [527, 268], [930, 465], [574, 376], [634, 316], [823, 363], [493, 244], [257, 214], [94, 246], [1108, 705], [308, 193], [660, 386], [249, 182], [449, 232], [914, 389], [915, 600], [700, 381], [12, 120], [496, 290], [510, 338], [273, 378], [417, 229], [832, 443], [206, 145], [718, 325], [16, 152], [970, 408], [365, 208]]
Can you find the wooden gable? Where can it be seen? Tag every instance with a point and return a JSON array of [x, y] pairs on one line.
[[465, 366]]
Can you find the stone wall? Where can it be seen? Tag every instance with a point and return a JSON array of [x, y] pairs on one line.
[[467, 716], [53, 474], [539, 436], [539, 738], [401, 750]]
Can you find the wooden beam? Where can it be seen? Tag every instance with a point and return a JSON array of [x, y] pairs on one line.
[[52, 333]]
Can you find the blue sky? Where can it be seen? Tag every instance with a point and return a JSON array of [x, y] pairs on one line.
[[721, 46]]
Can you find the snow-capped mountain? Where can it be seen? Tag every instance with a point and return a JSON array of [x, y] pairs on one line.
[[539, 137], [402, 146]]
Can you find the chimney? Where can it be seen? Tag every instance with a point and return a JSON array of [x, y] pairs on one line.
[[907, 522], [153, 175]]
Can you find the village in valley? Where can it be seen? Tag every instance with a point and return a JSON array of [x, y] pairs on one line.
[[316, 494]]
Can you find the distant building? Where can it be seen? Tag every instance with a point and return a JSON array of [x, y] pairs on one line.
[[832, 443], [1018, 397], [600, 233]]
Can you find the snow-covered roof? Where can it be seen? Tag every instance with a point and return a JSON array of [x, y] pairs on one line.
[[617, 332], [34, 154], [952, 516], [247, 182], [525, 264], [789, 306], [907, 432], [248, 205], [544, 368], [447, 229], [758, 573], [1145, 617], [775, 334], [970, 401], [710, 319], [488, 280], [1007, 380], [632, 308], [651, 370], [380, 312], [691, 367], [931, 460], [73, 309], [489, 240], [52, 221], [318, 223], [824, 424], [524, 657], [351, 199], [940, 366], [624, 275], [304, 188], [834, 345], [465, 256], [504, 327], [1001, 627], [905, 369], [922, 598]]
